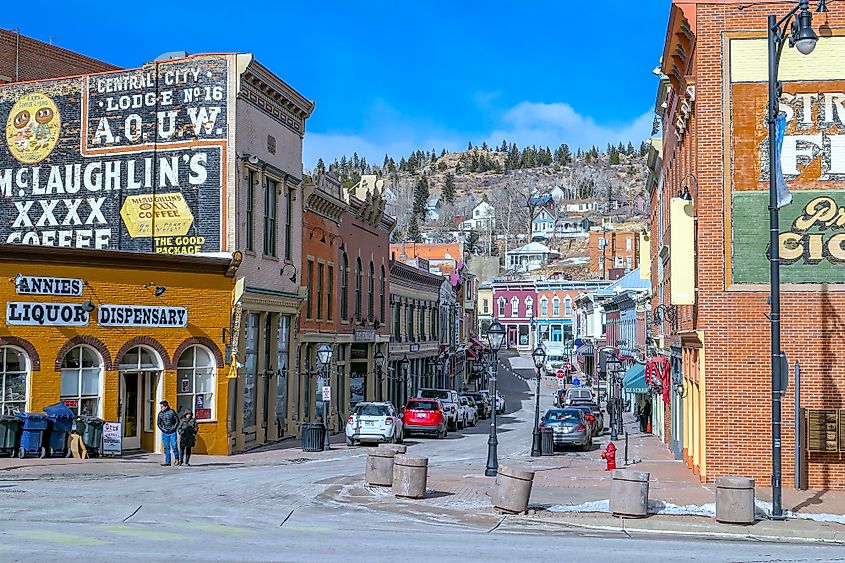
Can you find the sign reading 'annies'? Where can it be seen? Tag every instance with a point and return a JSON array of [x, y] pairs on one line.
[[130, 160]]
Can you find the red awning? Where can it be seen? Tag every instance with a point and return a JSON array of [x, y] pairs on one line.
[[473, 355]]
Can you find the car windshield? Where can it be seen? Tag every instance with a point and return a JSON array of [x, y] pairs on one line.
[[434, 394], [478, 398], [561, 416], [554, 359], [422, 406], [371, 410]]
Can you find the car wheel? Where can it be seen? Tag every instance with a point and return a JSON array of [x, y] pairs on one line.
[[21, 453], [401, 437], [453, 426], [461, 424], [405, 433]]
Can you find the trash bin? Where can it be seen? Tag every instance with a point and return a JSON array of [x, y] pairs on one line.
[[10, 427], [90, 428], [60, 423], [547, 441], [629, 493], [513, 489], [313, 434], [33, 426], [735, 500]]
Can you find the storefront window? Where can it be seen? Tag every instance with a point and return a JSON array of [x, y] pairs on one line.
[[139, 359], [195, 383], [282, 371], [82, 370], [13, 399], [250, 368]]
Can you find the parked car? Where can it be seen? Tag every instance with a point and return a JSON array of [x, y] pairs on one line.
[[482, 402], [424, 416], [451, 404], [373, 422], [500, 403], [591, 418], [553, 363], [577, 393], [597, 412], [570, 427], [470, 411]]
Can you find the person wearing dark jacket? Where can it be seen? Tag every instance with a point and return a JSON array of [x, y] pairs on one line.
[[168, 423], [188, 429]]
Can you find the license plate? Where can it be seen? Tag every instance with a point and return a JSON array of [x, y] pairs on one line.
[[423, 415], [369, 423], [568, 429]]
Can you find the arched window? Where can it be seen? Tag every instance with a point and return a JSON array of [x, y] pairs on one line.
[[501, 306], [371, 294], [140, 358], [382, 295], [196, 381], [529, 307], [359, 282], [344, 287], [15, 369], [555, 307], [82, 375], [544, 307]]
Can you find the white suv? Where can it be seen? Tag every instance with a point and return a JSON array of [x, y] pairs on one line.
[[451, 405], [374, 422]]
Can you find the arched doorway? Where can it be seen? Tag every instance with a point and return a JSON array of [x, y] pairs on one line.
[[140, 371]]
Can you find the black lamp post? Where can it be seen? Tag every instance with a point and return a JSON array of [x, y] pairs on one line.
[[405, 366], [378, 358], [324, 358], [797, 31], [495, 337], [539, 356]]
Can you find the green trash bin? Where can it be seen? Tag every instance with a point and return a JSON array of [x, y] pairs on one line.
[[90, 428], [10, 428]]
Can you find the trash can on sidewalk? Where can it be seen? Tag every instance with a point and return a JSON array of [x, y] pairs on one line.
[[735, 500], [90, 428], [60, 423], [33, 426], [313, 434], [629, 493], [547, 441], [10, 427]]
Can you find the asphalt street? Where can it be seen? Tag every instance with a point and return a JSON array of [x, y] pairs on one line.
[[307, 510]]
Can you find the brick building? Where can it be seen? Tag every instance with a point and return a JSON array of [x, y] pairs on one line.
[[23, 59], [711, 290], [613, 251]]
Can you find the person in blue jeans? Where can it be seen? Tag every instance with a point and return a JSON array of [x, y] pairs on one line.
[[168, 423]]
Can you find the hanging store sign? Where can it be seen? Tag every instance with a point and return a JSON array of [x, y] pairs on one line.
[[137, 315], [38, 285], [46, 314], [364, 335]]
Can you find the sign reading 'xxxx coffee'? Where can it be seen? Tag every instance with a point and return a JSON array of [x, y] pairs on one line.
[[131, 160]]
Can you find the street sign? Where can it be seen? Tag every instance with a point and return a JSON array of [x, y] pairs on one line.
[[568, 366], [327, 393], [560, 374], [576, 382]]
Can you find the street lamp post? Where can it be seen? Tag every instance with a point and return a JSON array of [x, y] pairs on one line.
[[797, 31], [405, 365], [539, 356], [378, 358], [324, 358], [495, 337]]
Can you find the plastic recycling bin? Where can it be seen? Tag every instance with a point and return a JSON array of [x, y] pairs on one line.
[[10, 427], [313, 434], [91, 430], [60, 419], [32, 437]]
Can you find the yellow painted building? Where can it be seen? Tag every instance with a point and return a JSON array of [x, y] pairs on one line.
[[111, 334]]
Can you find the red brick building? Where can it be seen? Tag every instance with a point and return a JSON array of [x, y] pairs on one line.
[[23, 59], [709, 261], [612, 249]]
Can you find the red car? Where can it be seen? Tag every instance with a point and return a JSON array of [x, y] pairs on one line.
[[424, 416]]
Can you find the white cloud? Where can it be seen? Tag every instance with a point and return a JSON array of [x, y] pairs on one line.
[[527, 123]]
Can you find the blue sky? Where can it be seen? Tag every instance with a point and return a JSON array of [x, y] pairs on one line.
[[396, 76]]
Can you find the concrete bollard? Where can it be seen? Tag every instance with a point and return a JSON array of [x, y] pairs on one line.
[[380, 467], [735, 500], [395, 448], [629, 493], [513, 489], [410, 476]]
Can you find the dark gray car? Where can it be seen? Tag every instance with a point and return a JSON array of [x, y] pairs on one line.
[[570, 427]]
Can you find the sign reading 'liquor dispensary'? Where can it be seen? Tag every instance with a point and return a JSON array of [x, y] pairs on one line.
[[74, 314]]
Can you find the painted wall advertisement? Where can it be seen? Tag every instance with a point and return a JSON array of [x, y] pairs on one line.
[[131, 160]]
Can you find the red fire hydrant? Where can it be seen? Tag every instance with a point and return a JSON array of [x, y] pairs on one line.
[[610, 455]]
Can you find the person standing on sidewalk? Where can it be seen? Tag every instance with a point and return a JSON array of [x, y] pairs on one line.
[[168, 423], [188, 429]]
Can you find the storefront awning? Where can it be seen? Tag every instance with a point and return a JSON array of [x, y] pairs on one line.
[[584, 350], [634, 380], [472, 353]]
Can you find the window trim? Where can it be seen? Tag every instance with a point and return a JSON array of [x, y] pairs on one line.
[[27, 372], [249, 243], [100, 387], [344, 288], [213, 366], [271, 204], [289, 224], [359, 282], [320, 271], [330, 293], [309, 302], [371, 294]]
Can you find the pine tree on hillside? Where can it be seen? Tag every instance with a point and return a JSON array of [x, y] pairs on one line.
[[442, 153], [413, 233], [421, 195], [629, 150], [321, 166], [620, 148], [484, 146], [614, 156], [644, 147], [469, 146], [449, 188]]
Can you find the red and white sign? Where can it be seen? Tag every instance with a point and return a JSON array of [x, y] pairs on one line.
[[568, 366], [560, 373]]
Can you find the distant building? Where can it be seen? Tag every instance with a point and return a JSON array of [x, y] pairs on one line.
[[572, 226], [579, 206], [530, 257], [432, 208], [613, 249], [442, 258], [482, 218], [514, 302], [542, 225]]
